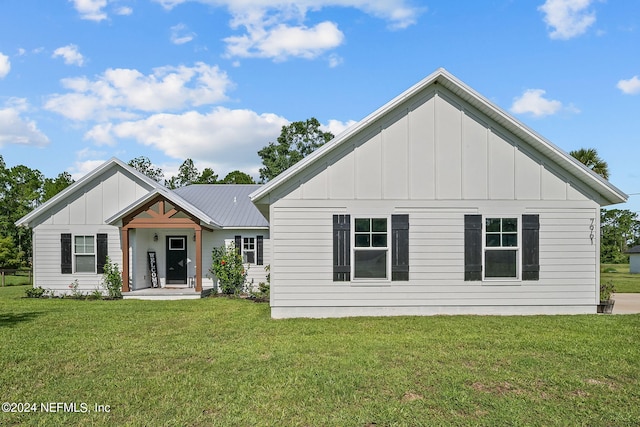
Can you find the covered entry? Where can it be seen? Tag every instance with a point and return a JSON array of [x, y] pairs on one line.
[[174, 232]]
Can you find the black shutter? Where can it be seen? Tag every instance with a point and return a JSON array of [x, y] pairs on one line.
[[472, 247], [400, 247], [530, 247], [342, 248], [65, 254], [259, 250], [238, 244], [102, 250]]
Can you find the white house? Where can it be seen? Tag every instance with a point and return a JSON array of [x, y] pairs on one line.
[[160, 238], [437, 203]]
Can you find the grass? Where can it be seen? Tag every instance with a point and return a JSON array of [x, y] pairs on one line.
[[19, 278], [221, 362], [619, 275]]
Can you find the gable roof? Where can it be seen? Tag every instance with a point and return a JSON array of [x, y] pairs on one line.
[[112, 163], [217, 206], [600, 186], [228, 204], [172, 197]]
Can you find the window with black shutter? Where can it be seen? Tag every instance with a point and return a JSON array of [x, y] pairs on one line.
[[530, 247], [400, 247], [65, 254], [341, 248], [102, 250], [259, 250], [472, 247]]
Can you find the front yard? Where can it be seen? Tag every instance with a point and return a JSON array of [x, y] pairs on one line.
[[619, 275], [225, 362]]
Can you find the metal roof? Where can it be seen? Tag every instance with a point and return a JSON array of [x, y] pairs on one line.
[[227, 204]]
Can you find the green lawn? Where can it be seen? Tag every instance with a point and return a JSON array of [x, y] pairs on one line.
[[220, 362], [620, 276]]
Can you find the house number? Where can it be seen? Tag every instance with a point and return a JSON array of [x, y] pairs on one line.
[[592, 227]]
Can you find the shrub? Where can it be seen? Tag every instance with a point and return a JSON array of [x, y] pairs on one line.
[[34, 292], [227, 267], [112, 279], [606, 289]]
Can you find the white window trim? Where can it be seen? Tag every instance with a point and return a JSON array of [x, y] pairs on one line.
[[518, 249], [254, 250], [76, 254], [368, 280]]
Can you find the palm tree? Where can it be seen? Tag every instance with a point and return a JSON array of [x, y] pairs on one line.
[[589, 157]]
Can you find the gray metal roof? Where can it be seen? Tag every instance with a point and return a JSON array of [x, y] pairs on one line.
[[633, 250], [227, 204]]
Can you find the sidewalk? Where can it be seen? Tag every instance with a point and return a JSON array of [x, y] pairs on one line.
[[626, 303]]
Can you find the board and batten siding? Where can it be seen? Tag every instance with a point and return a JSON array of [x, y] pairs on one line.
[[82, 213], [435, 158]]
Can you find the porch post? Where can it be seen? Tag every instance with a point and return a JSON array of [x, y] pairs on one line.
[[198, 259], [125, 259]]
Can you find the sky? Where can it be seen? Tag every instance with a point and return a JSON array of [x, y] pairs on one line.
[[82, 81]]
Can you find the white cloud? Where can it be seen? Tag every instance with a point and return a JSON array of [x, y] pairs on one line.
[[276, 28], [14, 129], [567, 18], [284, 41], [82, 167], [223, 137], [180, 34], [629, 87], [124, 93], [91, 10], [336, 127], [5, 65], [533, 102], [70, 54], [124, 11]]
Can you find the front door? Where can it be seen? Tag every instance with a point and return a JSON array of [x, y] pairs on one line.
[[177, 259]]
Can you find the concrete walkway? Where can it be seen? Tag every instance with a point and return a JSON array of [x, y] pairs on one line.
[[626, 303]]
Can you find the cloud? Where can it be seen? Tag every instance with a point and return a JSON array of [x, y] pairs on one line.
[[336, 127], [14, 129], [533, 102], [5, 65], [629, 87], [70, 54], [124, 11], [181, 35], [284, 41], [567, 18], [125, 93], [227, 138], [277, 29], [91, 10], [82, 167]]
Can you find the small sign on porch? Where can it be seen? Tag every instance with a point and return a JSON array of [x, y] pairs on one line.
[[153, 269]]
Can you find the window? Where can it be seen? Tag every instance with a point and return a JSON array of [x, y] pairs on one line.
[[501, 248], [84, 253], [176, 243], [249, 250], [370, 252]]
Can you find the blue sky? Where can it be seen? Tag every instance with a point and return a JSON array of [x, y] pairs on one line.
[[214, 80]]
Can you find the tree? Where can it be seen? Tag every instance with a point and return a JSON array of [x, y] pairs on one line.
[[53, 186], [187, 174], [237, 177], [143, 165], [20, 193], [590, 158], [208, 176], [619, 229], [9, 256], [296, 141]]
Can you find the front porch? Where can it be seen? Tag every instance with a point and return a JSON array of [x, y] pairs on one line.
[[167, 293]]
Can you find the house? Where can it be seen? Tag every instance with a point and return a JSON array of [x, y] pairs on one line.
[[634, 259], [439, 202], [160, 238]]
